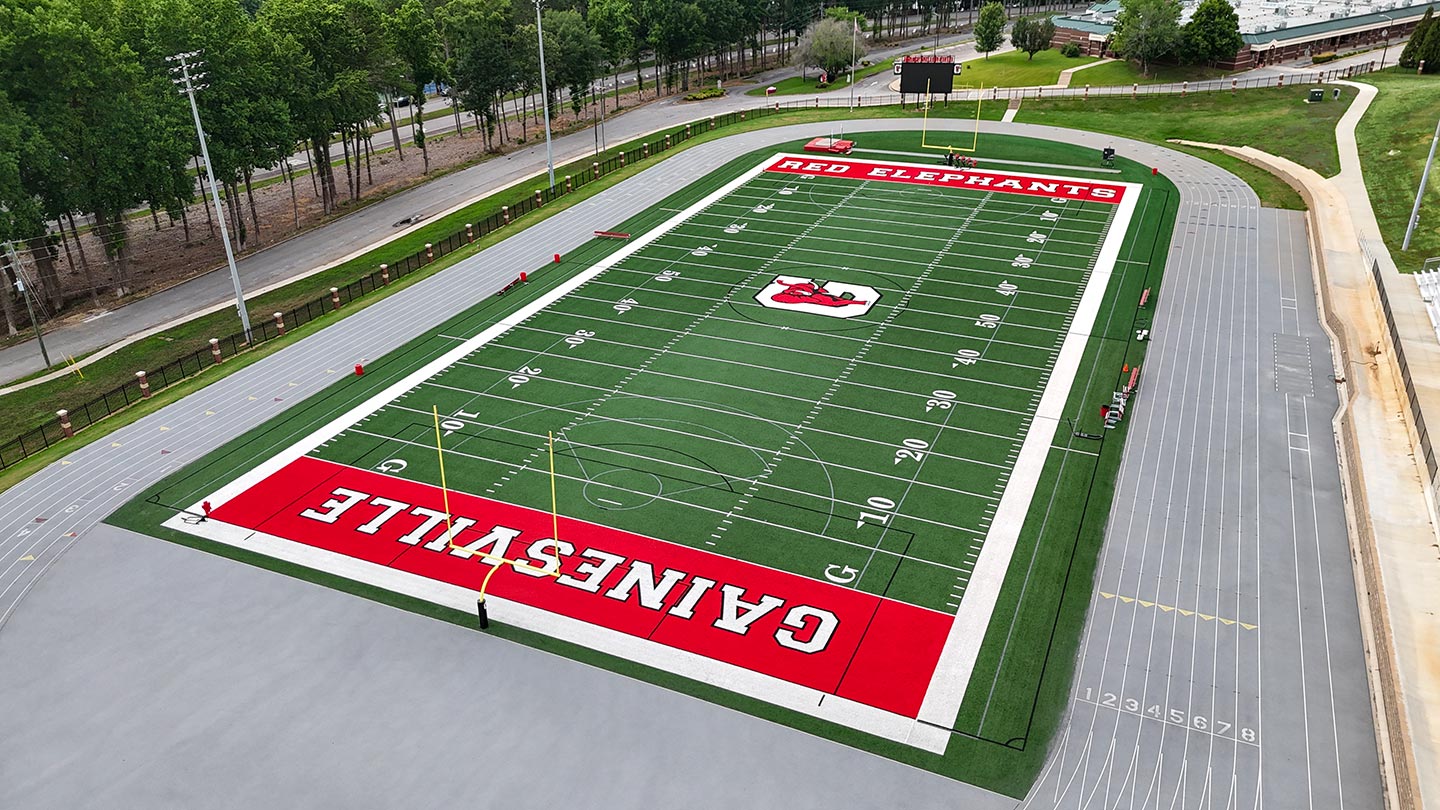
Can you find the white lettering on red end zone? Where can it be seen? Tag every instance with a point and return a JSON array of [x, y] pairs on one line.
[[808, 632], [1009, 182]]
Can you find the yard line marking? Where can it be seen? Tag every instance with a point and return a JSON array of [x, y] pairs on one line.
[[902, 347]]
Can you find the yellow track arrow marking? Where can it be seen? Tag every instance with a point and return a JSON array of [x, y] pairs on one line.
[[1182, 611]]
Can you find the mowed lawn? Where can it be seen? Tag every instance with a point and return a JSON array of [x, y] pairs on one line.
[[1121, 72], [1394, 139], [1275, 120], [1017, 69]]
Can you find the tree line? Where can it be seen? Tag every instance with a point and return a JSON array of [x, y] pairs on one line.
[[93, 128]]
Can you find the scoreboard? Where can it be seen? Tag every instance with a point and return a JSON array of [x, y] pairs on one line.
[[927, 74]]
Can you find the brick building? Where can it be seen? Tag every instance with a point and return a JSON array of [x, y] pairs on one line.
[[1273, 30]]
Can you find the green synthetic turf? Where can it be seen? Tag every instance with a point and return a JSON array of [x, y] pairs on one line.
[[685, 443]]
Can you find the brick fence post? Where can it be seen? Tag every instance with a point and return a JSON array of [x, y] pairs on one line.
[[144, 384], [215, 350], [65, 423], [384, 274], [470, 232], [334, 297], [505, 212], [280, 318]]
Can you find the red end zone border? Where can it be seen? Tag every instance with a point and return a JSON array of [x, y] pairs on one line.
[[866, 662]]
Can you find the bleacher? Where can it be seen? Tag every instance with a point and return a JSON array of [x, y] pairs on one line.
[[1428, 280]]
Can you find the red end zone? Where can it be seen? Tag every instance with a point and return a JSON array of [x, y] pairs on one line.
[[1065, 188], [839, 641]]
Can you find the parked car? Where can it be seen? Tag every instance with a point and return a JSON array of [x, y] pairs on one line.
[[402, 101]]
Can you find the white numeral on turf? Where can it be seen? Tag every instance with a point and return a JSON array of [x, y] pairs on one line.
[[988, 321], [703, 250], [1022, 261], [1049, 216], [625, 305], [913, 449], [579, 337], [669, 275], [1006, 288], [788, 190], [1035, 238], [940, 399], [876, 502], [451, 425], [522, 376], [965, 357], [735, 228]]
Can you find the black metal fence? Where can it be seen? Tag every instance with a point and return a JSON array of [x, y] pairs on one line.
[[268, 328]]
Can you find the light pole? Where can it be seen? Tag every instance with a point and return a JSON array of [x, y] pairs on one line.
[[545, 97], [1385, 32], [182, 76], [24, 291], [1424, 178]]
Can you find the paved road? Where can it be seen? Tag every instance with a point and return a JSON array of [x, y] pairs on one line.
[[357, 232], [134, 672]]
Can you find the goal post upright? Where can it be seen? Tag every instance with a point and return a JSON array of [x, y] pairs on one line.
[[925, 124], [495, 561]]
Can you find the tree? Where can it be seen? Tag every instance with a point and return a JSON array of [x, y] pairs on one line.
[[990, 30], [1429, 50], [1213, 33], [614, 23], [828, 46], [339, 63], [415, 41], [87, 94], [482, 63], [1411, 56], [572, 55], [1146, 30], [1034, 34]]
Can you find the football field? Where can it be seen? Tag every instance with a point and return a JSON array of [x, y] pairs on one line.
[[785, 443]]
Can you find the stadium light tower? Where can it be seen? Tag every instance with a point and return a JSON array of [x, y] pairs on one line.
[[545, 96], [181, 75]]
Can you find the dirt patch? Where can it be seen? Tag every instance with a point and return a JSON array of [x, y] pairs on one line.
[[163, 254]]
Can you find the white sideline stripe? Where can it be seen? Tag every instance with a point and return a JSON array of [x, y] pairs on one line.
[[730, 677], [962, 646]]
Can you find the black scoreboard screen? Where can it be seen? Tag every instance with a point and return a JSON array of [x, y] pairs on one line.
[[927, 74]]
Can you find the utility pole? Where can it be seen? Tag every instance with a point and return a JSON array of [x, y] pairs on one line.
[[1420, 193], [545, 97], [181, 75], [25, 293]]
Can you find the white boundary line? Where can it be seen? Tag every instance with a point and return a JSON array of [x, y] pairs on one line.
[[967, 634], [947, 688]]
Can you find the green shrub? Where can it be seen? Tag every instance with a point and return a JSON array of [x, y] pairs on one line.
[[701, 95], [1322, 58], [1070, 50]]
